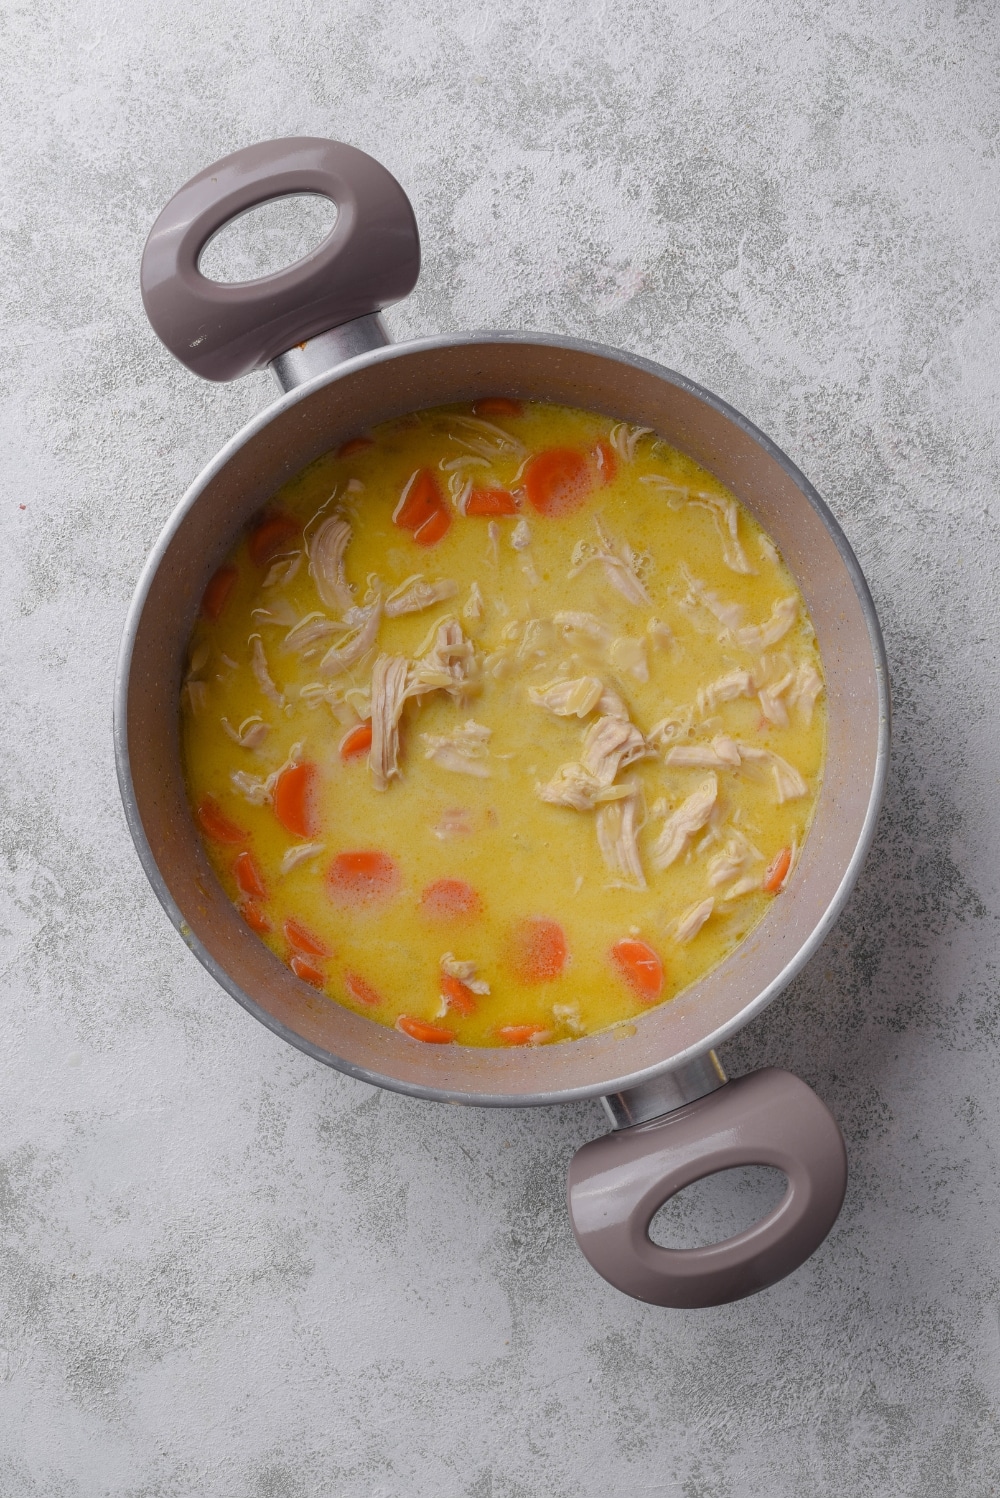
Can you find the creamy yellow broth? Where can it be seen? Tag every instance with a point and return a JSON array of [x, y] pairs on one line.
[[654, 606]]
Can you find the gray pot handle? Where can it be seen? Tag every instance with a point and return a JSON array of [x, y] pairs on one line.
[[369, 259], [617, 1184]]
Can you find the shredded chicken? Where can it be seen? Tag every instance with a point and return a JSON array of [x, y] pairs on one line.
[[693, 920], [618, 825], [726, 611], [465, 749], [579, 696], [577, 622], [473, 607], [258, 662], [448, 661], [313, 628], [660, 634], [520, 537], [282, 571], [624, 440], [493, 547], [485, 438], [733, 860], [629, 655], [788, 783], [770, 699], [759, 637], [671, 728], [389, 676], [416, 594], [298, 854], [278, 612], [251, 733], [725, 514], [622, 566], [253, 788], [326, 563], [196, 693], [357, 644], [568, 1016], [692, 815], [724, 690], [722, 753], [768, 549], [610, 744], [199, 658], [807, 688]]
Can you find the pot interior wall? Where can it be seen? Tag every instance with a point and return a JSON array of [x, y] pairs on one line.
[[395, 381]]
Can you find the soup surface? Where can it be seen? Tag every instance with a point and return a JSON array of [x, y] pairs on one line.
[[503, 723]]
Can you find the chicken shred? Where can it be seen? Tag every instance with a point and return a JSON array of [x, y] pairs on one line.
[[579, 696], [465, 970], [622, 566], [618, 825], [251, 733], [724, 690], [733, 860], [520, 537], [389, 676], [258, 662], [788, 782], [464, 749], [693, 920], [326, 563], [306, 635], [758, 638], [624, 440], [298, 854], [357, 645], [692, 815], [726, 611], [454, 823], [610, 744], [416, 594], [807, 688], [722, 753], [473, 607]]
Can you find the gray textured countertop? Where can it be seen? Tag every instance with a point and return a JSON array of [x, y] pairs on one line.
[[225, 1269]]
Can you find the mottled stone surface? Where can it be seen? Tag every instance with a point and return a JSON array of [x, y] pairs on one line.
[[225, 1269]]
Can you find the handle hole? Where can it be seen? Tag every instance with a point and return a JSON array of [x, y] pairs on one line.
[[717, 1207], [268, 238]]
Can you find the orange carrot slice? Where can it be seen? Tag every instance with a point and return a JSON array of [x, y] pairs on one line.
[[271, 537], [497, 406], [433, 529], [450, 901], [354, 445], [557, 481], [607, 462], [519, 1036], [302, 940], [491, 503], [356, 741], [777, 872], [359, 989], [306, 969], [362, 877], [216, 595], [254, 917], [457, 996], [419, 503], [640, 967], [217, 825], [248, 876], [537, 950], [294, 799], [423, 1031]]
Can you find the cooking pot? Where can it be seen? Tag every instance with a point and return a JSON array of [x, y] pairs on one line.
[[317, 324]]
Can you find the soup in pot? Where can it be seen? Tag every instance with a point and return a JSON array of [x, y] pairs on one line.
[[503, 723]]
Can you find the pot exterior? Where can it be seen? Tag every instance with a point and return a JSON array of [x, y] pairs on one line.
[[390, 382]]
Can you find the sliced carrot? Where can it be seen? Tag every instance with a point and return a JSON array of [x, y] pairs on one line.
[[777, 872], [306, 969], [270, 537], [294, 799], [356, 741], [491, 503], [433, 529], [423, 1031], [361, 877], [216, 595], [420, 501], [607, 461], [640, 967], [302, 940], [537, 950], [248, 876], [217, 825], [354, 445], [557, 481], [359, 989], [254, 917], [497, 406], [450, 901], [519, 1036], [457, 996]]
